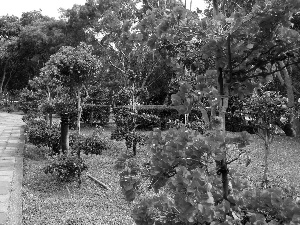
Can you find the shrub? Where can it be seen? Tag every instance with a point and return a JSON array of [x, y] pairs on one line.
[[31, 116], [123, 97], [89, 144], [96, 114], [151, 116], [164, 113], [126, 122], [65, 168], [147, 121], [29, 101], [40, 134]]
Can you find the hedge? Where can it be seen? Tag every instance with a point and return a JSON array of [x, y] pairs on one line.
[[151, 116], [96, 114], [159, 115]]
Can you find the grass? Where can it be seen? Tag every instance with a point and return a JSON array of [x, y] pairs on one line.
[[48, 202], [284, 159]]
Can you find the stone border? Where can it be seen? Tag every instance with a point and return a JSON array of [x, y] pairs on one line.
[[15, 203]]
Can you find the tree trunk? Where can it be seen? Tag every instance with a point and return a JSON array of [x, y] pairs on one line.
[[288, 128], [78, 110], [223, 89], [288, 84], [2, 80], [47, 118], [267, 151], [7, 80], [50, 119], [134, 144], [65, 133]]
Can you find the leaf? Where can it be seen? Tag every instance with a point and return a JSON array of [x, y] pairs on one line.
[[275, 199], [219, 157], [226, 205], [200, 208], [250, 46], [151, 41], [205, 116], [296, 218], [211, 73], [210, 199]]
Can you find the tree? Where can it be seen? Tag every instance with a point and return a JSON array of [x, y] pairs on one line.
[[263, 109], [28, 43], [10, 28], [48, 88], [243, 48], [75, 68]]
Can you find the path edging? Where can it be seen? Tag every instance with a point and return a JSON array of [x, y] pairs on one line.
[[15, 203]]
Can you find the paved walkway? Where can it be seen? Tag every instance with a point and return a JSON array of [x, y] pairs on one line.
[[11, 168]]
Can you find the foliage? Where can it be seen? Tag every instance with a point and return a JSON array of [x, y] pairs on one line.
[[199, 125], [96, 114], [31, 117], [65, 168], [27, 43], [126, 125], [164, 113], [194, 190], [161, 115], [41, 134], [147, 121], [28, 101], [264, 109], [189, 190], [123, 97], [75, 68], [65, 104], [89, 144], [47, 107]]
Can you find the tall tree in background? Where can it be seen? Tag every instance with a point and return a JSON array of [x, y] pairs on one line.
[[10, 28]]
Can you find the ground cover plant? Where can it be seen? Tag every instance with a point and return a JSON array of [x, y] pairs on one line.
[[48, 201]]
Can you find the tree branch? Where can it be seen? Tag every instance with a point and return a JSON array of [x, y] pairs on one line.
[[118, 68], [264, 74], [98, 182], [234, 159]]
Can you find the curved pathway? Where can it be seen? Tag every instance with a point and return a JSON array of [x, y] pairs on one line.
[[11, 168]]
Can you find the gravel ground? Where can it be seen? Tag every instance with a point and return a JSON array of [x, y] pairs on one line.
[[284, 162]]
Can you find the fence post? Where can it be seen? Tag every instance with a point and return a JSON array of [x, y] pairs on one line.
[[65, 133]]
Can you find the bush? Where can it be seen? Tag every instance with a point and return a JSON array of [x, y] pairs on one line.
[[93, 144], [150, 116], [148, 121], [164, 113], [162, 116], [235, 123], [65, 168], [123, 97], [126, 128], [29, 101], [40, 134], [96, 114]]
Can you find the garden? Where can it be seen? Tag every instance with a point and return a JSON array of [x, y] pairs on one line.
[[149, 112]]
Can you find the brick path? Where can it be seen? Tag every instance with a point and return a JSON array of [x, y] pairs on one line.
[[11, 168]]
